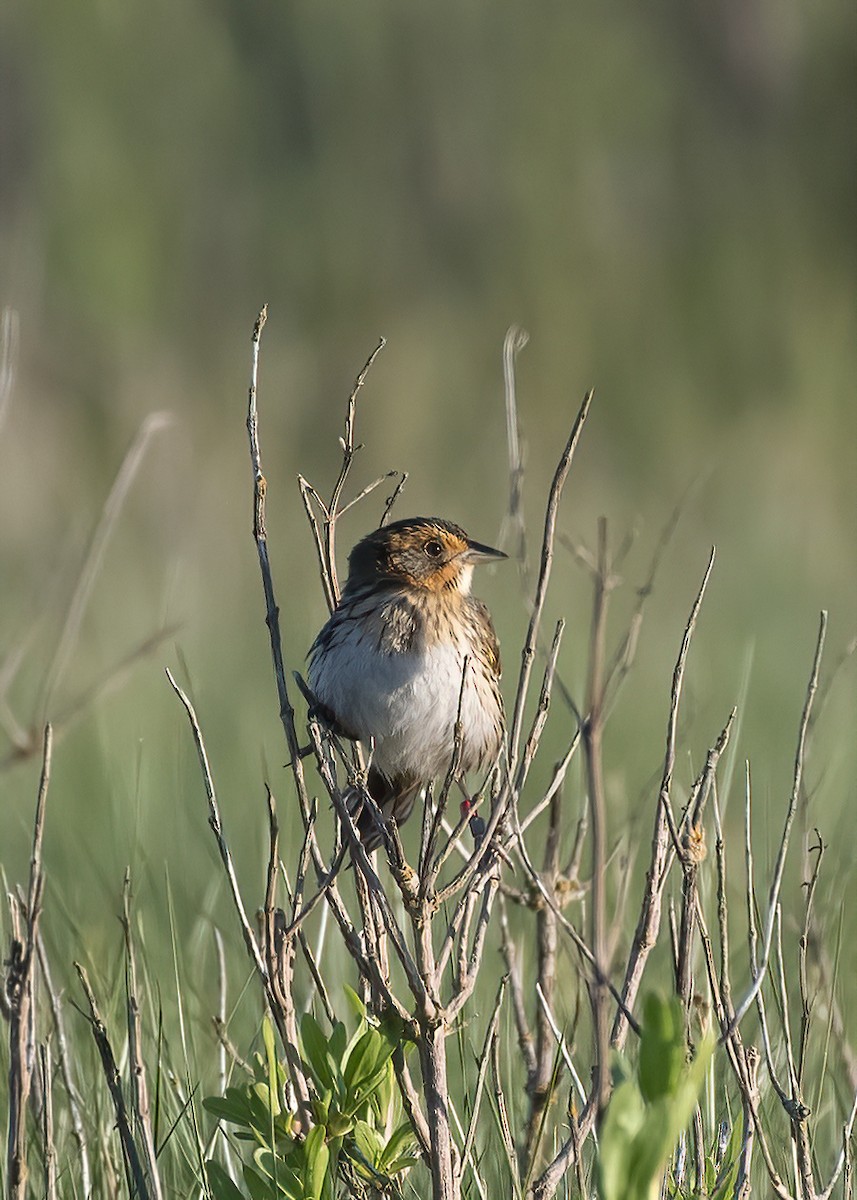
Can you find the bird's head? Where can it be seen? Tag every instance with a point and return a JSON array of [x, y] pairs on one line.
[[421, 552]]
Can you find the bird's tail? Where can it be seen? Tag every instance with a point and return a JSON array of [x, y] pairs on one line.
[[395, 799]]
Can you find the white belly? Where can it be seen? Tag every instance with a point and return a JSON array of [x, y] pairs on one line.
[[408, 703]]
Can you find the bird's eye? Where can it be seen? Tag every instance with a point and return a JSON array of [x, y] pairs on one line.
[[433, 549]]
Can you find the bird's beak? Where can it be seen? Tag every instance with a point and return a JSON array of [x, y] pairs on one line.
[[476, 553]]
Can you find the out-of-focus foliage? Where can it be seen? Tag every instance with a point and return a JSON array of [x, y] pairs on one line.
[[662, 195]]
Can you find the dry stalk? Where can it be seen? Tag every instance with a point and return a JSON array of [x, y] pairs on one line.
[[48, 1147], [593, 730], [418, 937], [134, 1167], [514, 342], [503, 1119], [693, 854], [139, 1087], [779, 867], [64, 1059], [540, 1067], [279, 954], [551, 511], [648, 923], [482, 1075], [19, 992], [216, 823]]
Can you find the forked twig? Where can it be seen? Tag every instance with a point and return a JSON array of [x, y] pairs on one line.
[[665, 830], [529, 651], [779, 866], [214, 820], [134, 1168], [484, 1062]]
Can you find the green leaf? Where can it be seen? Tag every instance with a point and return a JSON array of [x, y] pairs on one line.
[[259, 1188], [260, 1102], [401, 1140], [317, 1159], [233, 1107], [355, 1002], [362, 1059], [280, 1178], [336, 1045], [222, 1187], [368, 1144], [366, 1068], [663, 1049], [273, 1066], [321, 1108], [339, 1124], [315, 1049], [624, 1119], [386, 1098], [643, 1124], [401, 1164]]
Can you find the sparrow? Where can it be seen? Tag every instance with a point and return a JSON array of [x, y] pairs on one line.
[[406, 648]]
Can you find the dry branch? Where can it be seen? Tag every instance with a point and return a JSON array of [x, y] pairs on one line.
[[19, 992], [134, 1168]]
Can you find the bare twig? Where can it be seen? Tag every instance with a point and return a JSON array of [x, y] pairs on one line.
[[134, 1168], [693, 854], [272, 612], [650, 910], [503, 1118], [541, 1070], [592, 734], [139, 1087], [753, 943], [842, 1160], [64, 1060], [279, 952], [623, 657], [49, 1151], [482, 1074], [806, 1000], [513, 974], [779, 866], [19, 992], [539, 719], [220, 1019], [393, 497], [551, 511], [349, 449], [560, 1043], [367, 491], [796, 1109], [216, 824], [514, 342]]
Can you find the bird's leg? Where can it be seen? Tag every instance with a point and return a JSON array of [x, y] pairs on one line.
[[469, 806], [476, 822]]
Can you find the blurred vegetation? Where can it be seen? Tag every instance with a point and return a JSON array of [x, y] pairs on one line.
[[663, 196]]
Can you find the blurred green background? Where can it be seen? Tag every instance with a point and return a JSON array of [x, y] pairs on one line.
[[662, 195]]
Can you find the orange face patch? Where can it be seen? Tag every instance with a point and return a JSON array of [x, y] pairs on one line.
[[426, 557]]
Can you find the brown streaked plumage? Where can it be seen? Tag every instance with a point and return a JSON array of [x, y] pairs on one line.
[[387, 667]]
